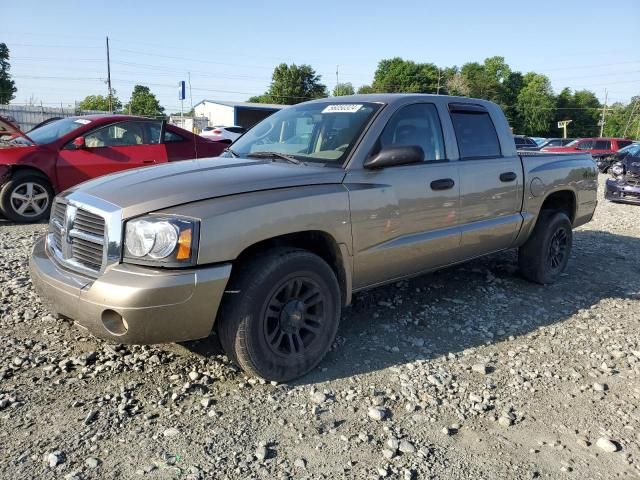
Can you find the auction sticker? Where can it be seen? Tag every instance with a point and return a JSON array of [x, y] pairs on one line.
[[342, 108]]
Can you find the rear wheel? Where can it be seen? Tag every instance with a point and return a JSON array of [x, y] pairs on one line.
[[26, 197], [544, 257], [285, 316]]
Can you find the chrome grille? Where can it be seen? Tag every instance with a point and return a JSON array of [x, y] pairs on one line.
[[77, 237]]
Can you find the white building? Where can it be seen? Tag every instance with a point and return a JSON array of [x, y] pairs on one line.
[[243, 114]]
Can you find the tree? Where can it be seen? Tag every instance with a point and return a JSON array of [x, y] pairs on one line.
[[364, 89], [291, 84], [342, 89], [143, 102], [100, 103], [582, 108], [535, 104], [623, 120], [7, 85], [398, 75]]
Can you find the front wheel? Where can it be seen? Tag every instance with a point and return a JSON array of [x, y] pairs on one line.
[[284, 316], [545, 255], [26, 198]]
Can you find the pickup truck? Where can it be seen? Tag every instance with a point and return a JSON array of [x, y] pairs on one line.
[[265, 244]]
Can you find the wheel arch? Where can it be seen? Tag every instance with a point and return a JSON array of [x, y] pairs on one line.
[[317, 242], [563, 200]]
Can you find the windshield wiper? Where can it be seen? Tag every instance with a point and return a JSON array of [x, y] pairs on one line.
[[233, 154], [274, 155]]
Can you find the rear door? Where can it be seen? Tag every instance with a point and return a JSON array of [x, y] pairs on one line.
[[601, 148], [178, 146], [111, 148], [490, 183], [404, 218]]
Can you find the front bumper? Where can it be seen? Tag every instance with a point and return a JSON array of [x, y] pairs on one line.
[[622, 192], [157, 306]]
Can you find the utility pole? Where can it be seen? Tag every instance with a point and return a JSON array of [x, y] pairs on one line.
[[633, 110], [439, 77], [109, 77], [604, 111]]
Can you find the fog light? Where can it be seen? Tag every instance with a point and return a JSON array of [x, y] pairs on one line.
[[114, 323]]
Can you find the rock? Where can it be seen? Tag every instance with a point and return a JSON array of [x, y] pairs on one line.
[[600, 387], [388, 453], [300, 463], [505, 421], [607, 445], [92, 462], [193, 376], [406, 447], [90, 417], [318, 398], [171, 432], [55, 458], [377, 413], [480, 368], [261, 453]]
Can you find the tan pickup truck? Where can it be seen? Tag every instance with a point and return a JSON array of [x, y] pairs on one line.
[[267, 243]]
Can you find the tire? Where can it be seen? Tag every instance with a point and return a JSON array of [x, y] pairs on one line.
[[26, 197], [276, 327], [544, 257]]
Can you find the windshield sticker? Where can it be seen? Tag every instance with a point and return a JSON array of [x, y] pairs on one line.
[[83, 121], [342, 108]]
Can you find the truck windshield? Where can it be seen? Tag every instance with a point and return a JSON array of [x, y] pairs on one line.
[[53, 131], [323, 132]]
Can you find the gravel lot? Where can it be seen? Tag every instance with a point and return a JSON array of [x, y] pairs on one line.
[[466, 373]]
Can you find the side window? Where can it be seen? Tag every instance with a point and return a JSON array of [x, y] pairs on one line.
[[624, 143], [586, 145], [602, 145], [476, 134], [170, 137], [237, 129], [417, 124], [125, 134]]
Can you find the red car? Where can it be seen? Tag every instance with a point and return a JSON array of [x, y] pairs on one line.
[[597, 147], [65, 152]]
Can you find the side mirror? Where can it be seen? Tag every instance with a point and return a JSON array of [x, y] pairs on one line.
[[79, 143], [395, 155]]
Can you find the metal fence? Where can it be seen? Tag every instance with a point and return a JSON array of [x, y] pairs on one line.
[[28, 116]]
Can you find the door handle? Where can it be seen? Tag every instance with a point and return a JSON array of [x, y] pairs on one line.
[[508, 177], [442, 184], [148, 161]]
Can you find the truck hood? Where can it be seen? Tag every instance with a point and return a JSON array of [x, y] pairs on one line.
[[148, 189]]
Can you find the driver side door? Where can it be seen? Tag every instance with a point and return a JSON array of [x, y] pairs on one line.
[[112, 148]]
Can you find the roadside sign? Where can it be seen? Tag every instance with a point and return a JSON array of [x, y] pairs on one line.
[[181, 90]]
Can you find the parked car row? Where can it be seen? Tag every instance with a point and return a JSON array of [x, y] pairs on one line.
[[599, 147], [59, 154]]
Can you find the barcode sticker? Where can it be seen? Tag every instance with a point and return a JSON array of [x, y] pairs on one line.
[[342, 108]]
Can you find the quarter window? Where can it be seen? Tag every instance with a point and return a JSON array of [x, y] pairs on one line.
[[418, 125], [588, 145], [170, 137], [476, 134], [602, 145]]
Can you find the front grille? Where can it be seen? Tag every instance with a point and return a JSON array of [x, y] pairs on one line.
[[632, 179], [77, 237]]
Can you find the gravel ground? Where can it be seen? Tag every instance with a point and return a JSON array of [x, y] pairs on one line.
[[469, 372]]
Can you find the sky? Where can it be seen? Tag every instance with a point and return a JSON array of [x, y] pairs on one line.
[[58, 53]]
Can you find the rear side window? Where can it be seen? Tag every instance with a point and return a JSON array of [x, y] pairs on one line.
[[586, 145], [236, 129], [170, 137], [602, 145], [417, 124], [476, 134]]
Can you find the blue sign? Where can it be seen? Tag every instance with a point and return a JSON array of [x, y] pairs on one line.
[[181, 90]]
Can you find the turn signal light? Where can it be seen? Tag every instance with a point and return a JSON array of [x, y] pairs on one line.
[[184, 245]]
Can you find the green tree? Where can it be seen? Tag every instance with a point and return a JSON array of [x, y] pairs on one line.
[[342, 89], [143, 102], [623, 120], [364, 89], [7, 85], [101, 103], [398, 75], [536, 104], [291, 84], [582, 108]]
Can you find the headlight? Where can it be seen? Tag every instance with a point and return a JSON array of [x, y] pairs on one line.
[[617, 169], [164, 241]]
